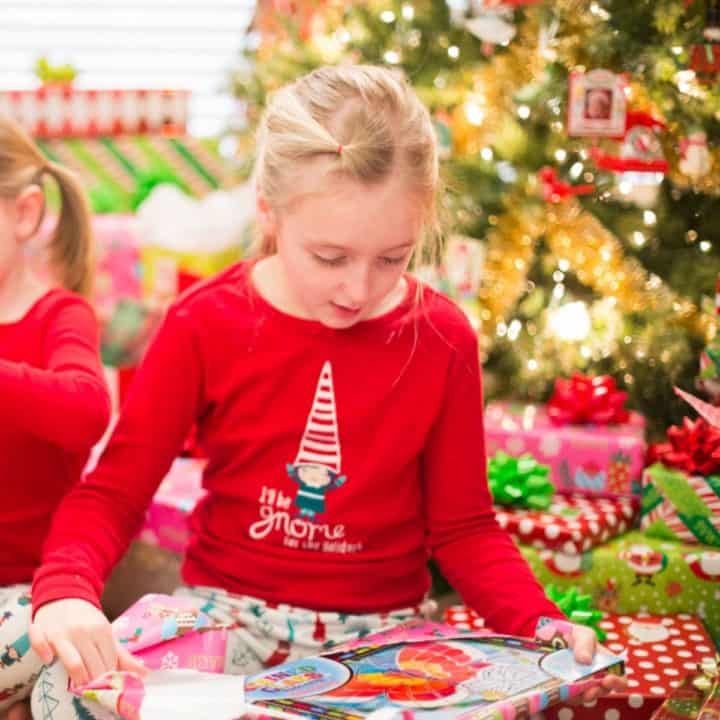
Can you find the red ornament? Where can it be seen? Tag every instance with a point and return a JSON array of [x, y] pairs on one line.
[[641, 151], [555, 190], [584, 400], [705, 57], [693, 447], [705, 61]]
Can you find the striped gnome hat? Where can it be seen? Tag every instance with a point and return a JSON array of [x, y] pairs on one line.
[[320, 444]]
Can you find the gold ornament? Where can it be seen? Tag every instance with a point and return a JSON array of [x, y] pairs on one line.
[[589, 250]]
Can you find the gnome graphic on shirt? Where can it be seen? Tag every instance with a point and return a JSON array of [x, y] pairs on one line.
[[317, 466]]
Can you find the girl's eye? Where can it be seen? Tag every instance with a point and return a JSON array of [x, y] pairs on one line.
[[392, 260], [331, 262]]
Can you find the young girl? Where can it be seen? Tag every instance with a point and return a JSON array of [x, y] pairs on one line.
[[53, 398], [338, 400]]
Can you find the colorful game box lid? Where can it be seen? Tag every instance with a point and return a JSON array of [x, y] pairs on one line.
[[418, 670]]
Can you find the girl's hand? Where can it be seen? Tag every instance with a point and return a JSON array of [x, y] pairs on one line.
[[81, 636], [583, 643]]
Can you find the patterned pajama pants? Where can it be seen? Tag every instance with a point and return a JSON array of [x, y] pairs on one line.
[[19, 665]]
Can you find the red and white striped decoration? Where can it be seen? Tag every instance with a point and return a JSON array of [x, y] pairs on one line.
[[667, 512], [65, 111]]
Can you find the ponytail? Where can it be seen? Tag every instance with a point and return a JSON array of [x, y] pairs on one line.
[[71, 243]]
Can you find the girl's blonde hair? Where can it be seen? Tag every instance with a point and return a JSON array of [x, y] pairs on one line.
[[366, 122], [71, 244]]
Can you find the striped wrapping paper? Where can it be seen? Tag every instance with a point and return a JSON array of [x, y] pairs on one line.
[[677, 506]]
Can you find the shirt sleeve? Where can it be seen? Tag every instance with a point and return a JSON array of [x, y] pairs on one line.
[[66, 402], [97, 520], [478, 558]]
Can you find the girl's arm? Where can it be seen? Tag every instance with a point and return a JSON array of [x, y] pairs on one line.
[[477, 557], [66, 404], [99, 517]]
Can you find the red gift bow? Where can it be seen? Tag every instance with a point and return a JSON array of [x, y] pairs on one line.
[[693, 447], [583, 399]]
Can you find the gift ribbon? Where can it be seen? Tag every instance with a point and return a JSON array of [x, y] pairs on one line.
[[693, 447], [582, 399], [521, 481], [577, 608], [709, 673], [697, 697]]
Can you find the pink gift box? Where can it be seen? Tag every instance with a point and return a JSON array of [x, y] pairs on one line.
[[166, 522], [117, 259], [594, 459]]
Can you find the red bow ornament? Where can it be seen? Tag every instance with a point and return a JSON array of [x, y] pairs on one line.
[[693, 447], [582, 400]]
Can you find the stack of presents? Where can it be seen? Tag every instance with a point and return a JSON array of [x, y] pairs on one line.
[[624, 537]]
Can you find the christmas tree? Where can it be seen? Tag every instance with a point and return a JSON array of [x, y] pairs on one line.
[[578, 144]]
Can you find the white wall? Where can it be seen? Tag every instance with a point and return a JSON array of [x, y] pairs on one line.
[[185, 44]]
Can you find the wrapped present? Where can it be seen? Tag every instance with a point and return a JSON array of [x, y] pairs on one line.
[[595, 459], [635, 573], [166, 634], [61, 110], [197, 641], [697, 698], [463, 618], [573, 523], [681, 506], [117, 262], [200, 237], [659, 651], [117, 259], [166, 522], [126, 333]]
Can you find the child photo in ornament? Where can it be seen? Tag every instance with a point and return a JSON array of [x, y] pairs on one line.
[[596, 104]]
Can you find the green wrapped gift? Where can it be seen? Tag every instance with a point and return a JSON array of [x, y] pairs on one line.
[[681, 507], [636, 573], [519, 481]]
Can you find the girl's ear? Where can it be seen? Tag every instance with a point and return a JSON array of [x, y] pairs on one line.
[[266, 217], [29, 207]]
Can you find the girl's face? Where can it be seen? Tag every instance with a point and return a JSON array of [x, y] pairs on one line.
[[343, 252]]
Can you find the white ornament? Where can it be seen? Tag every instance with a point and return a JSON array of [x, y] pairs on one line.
[[695, 156], [493, 26]]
